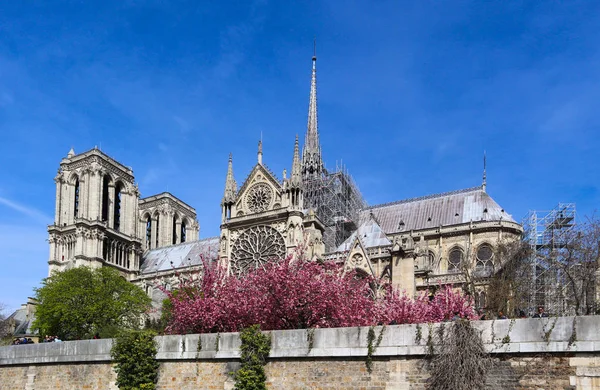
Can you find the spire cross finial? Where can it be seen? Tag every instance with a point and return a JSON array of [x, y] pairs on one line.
[[260, 150]]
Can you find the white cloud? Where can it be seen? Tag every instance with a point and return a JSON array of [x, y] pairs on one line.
[[26, 210]]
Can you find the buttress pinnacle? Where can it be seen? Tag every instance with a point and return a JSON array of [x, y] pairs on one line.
[[230, 184]]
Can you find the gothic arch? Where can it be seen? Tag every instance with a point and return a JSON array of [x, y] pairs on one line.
[[174, 231], [456, 258]]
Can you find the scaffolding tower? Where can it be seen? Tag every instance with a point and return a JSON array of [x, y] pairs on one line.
[[337, 201], [548, 233]]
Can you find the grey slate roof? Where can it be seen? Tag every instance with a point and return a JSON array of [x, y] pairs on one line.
[[370, 235], [22, 323], [180, 255], [450, 208]]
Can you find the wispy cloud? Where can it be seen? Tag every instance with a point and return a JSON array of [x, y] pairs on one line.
[[26, 210]]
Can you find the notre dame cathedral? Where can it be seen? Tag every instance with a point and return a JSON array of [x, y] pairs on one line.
[[101, 220]]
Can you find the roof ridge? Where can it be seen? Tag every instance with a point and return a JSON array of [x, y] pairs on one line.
[[426, 197], [184, 243]]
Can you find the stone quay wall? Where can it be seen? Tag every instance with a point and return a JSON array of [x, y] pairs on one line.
[[547, 353]]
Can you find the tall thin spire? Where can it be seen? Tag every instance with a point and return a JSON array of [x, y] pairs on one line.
[[296, 177], [230, 184], [484, 183], [312, 163]]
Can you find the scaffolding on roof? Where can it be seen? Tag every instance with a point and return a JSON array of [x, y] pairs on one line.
[[337, 201], [548, 233]]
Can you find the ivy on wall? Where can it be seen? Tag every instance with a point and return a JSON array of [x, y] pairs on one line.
[[255, 349], [134, 354]]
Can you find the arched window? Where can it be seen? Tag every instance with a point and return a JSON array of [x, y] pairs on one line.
[[157, 230], [117, 211], [183, 231], [485, 254], [430, 260], [174, 231], [105, 249], [148, 231], [455, 259], [76, 199], [105, 183]]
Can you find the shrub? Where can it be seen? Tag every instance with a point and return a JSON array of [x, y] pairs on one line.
[[134, 354]]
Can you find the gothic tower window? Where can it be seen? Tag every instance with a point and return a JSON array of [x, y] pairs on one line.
[[183, 231], [76, 199], [105, 183], [105, 250], [174, 231], [157, 230], [117, 211], [148, 231]]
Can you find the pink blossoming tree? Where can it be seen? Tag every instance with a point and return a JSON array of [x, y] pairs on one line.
[[298, 294]]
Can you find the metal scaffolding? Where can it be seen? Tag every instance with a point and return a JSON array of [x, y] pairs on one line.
[[548, 233], [336, 199]]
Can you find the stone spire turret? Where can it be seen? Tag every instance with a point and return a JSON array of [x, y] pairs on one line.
[[230, 184], [296, 176], [312, 163]]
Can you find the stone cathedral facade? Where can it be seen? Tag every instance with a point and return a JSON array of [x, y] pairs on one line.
[[101, 220]]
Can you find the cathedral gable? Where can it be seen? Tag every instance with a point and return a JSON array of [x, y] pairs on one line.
[[260, 192], [358, 260]]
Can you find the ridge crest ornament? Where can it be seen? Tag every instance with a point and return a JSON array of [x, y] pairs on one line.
[[259, 197], [256, 247]]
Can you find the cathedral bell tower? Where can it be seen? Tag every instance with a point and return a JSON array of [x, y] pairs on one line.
[[95, 218]]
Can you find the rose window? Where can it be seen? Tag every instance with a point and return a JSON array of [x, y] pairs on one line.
[[259, 197], [256, 247]]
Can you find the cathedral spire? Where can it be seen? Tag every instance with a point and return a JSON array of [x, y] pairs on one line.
[[230, 184], [312, 163], [296, 176], [484, 182]]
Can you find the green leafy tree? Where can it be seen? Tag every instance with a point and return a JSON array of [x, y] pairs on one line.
[[80, 302]]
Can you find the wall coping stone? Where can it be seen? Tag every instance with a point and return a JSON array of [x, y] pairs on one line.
[[531, 335]]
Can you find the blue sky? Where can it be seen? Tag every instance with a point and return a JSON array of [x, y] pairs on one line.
[[410, 95]]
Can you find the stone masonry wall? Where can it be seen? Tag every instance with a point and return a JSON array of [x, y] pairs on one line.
[[529, 358]]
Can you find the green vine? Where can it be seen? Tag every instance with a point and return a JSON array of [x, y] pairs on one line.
[[573, 337], [548, 333], [372, 346], [217, 341], [430, 349], [418, 335], [255, 349], [506, 339], [199, 346], [310, 337], [134, 354]]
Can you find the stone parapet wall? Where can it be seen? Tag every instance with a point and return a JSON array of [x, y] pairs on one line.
[[528, 353]]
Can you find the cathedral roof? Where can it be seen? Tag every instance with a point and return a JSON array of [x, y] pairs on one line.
[[179, 256], [369, 234], [450, 208]]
